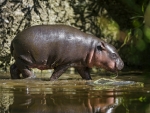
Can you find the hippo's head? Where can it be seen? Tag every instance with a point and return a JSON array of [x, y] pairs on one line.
[[106, 56]]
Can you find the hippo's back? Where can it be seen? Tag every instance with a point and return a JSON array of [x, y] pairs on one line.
[[49, 32]]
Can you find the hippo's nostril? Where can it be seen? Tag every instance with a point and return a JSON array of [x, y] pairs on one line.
[[121, 65]]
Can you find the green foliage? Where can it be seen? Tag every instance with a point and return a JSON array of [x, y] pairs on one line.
[[146, 31], [140, 44], [136, 43], [137, 21], [147, 16], [109, 28], [142, 99], [127, 39]]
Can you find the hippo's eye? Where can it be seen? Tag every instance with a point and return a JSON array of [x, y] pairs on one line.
[[113, 55], [99, 48]]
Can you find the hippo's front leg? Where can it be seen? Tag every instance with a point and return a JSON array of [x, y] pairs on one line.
[[58, 71], [20, 68], [14, 72], [84, 72]]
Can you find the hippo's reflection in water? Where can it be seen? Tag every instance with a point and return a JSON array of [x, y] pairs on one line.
[[63, 102]]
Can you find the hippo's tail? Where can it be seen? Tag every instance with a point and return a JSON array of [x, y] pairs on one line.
[[11, 48]]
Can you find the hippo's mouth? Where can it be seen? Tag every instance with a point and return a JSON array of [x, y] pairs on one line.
[[114, 69], [118, 65]]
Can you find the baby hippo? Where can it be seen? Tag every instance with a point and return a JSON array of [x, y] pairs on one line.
[[59, 47]]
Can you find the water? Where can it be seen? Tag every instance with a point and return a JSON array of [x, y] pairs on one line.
[[70, 94]]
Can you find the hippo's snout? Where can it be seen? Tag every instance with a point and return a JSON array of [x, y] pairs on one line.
[[119, 64]]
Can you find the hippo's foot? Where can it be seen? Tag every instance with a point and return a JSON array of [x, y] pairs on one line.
[[58, 71], [23, 69], [84, 72], [14, 72], [26, 73]]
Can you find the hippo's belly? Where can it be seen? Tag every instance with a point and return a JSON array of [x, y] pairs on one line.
[[41, 67]]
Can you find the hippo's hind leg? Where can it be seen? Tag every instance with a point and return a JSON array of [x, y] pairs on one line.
[[58, 71], [84, 72], [24, 69], [14, 72]]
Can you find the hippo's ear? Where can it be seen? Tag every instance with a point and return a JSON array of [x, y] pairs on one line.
[[101, 46]]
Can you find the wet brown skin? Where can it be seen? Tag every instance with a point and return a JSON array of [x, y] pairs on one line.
[[59, 47]]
